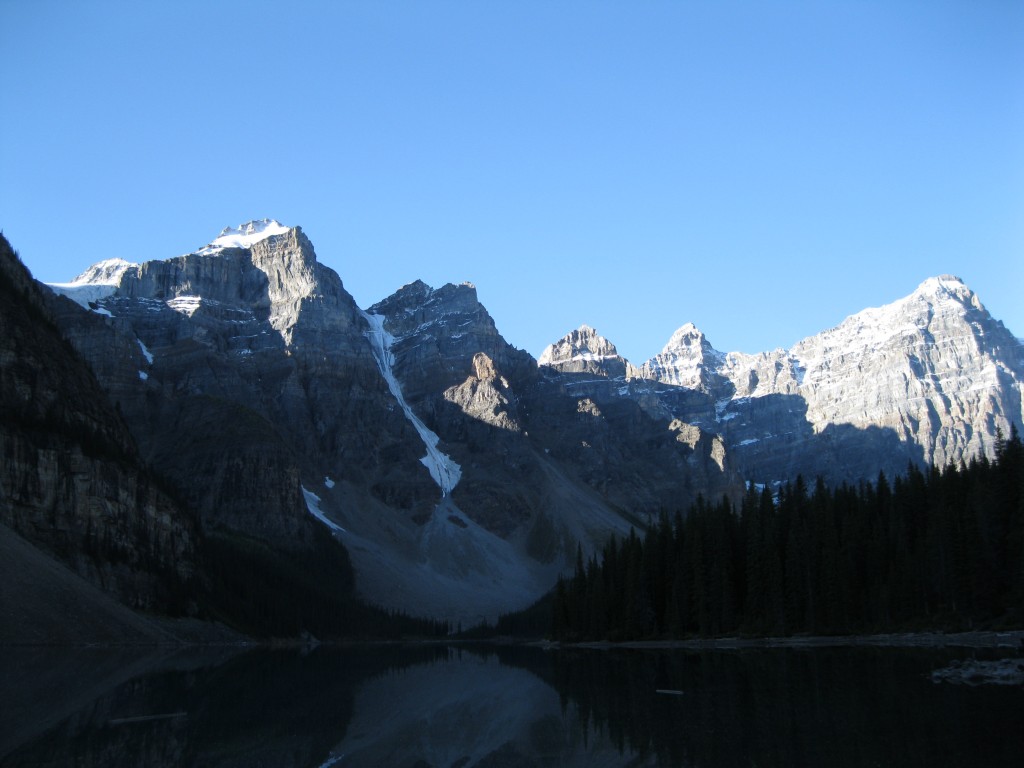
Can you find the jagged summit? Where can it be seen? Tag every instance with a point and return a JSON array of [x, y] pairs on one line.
[[686, 337], [687, 360], [586, 351], [244, 235], [583, 344]]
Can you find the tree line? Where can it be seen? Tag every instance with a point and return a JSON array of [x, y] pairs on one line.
[[935, 549]]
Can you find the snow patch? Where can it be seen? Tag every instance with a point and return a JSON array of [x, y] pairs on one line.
[[107, 272], [143, 375], [445, 472], [313, 505], [328, 483], [97, 282], [145, 352], [83, 294], [244, 235], [186, 305]]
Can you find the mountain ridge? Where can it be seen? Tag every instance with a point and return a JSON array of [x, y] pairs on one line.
[[300, 408]]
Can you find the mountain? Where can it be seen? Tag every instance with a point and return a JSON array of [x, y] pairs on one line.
[[460, 477], [459, 473], [932, 378]]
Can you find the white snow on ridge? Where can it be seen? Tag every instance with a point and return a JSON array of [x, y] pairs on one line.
[[97, 282], [244, 235], [107, 272], [445, 472], [83, 294]]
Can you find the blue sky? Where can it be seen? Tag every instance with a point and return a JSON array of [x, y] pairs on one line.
[[760, 169]]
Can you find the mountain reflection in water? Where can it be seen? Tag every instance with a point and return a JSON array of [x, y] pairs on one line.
[[437, 706]]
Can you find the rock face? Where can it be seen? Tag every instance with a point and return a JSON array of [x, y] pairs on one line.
[[459, 472], [71, 480]]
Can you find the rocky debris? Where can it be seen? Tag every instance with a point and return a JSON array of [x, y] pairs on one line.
[[975, 672]]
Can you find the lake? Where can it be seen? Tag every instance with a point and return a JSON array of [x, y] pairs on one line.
[[490, 706]]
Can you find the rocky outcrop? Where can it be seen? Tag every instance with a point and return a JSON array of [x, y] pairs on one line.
[[486, 396]]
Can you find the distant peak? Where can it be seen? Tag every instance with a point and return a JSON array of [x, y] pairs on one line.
[[686, 336], [584, 343], [245, 235]]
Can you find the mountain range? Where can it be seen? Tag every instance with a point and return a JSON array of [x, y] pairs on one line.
[[247, 396]]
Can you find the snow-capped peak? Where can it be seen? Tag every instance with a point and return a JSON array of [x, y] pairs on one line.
[[244, 235], [106, 272], [874, 325], [95, 284], [946, 287]]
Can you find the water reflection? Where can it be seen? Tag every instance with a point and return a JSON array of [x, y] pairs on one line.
[[435, 706]]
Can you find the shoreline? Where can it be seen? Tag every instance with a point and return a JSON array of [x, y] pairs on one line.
[[974, 639]]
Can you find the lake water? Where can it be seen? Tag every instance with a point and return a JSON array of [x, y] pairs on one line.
[[459, 707]]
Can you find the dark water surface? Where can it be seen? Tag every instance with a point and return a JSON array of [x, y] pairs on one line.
[[436, 706]]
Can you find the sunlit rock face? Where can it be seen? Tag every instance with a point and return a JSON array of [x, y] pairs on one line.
[[931, 378], [935, 368]]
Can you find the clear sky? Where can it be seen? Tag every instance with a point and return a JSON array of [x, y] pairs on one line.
[[760, 169]]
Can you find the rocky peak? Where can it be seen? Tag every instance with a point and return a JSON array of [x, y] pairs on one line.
[[687, 360], [586, 351], [437, 332], [416, 307]]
